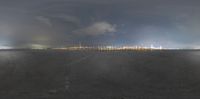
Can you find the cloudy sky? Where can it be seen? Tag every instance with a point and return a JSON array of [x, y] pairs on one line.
[[57, 23]]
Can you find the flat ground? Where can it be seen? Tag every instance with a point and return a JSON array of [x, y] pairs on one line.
[[99, 75]]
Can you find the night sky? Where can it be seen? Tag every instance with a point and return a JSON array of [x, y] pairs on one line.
[[59, 23]]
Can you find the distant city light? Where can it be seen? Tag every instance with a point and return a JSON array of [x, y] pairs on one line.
[[152, 47], [101, 48], [38, 46]]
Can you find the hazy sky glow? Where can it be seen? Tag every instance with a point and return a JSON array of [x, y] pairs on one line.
[[57, 23]]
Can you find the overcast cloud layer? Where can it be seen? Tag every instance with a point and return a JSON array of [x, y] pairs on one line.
[[57, 23]]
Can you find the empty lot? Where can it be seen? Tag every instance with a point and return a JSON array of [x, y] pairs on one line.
[[57, 74]]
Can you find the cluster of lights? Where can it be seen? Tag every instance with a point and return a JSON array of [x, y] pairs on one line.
[[111, 48], [101, 48]]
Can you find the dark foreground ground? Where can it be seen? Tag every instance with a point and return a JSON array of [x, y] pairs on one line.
[[99, 75]]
